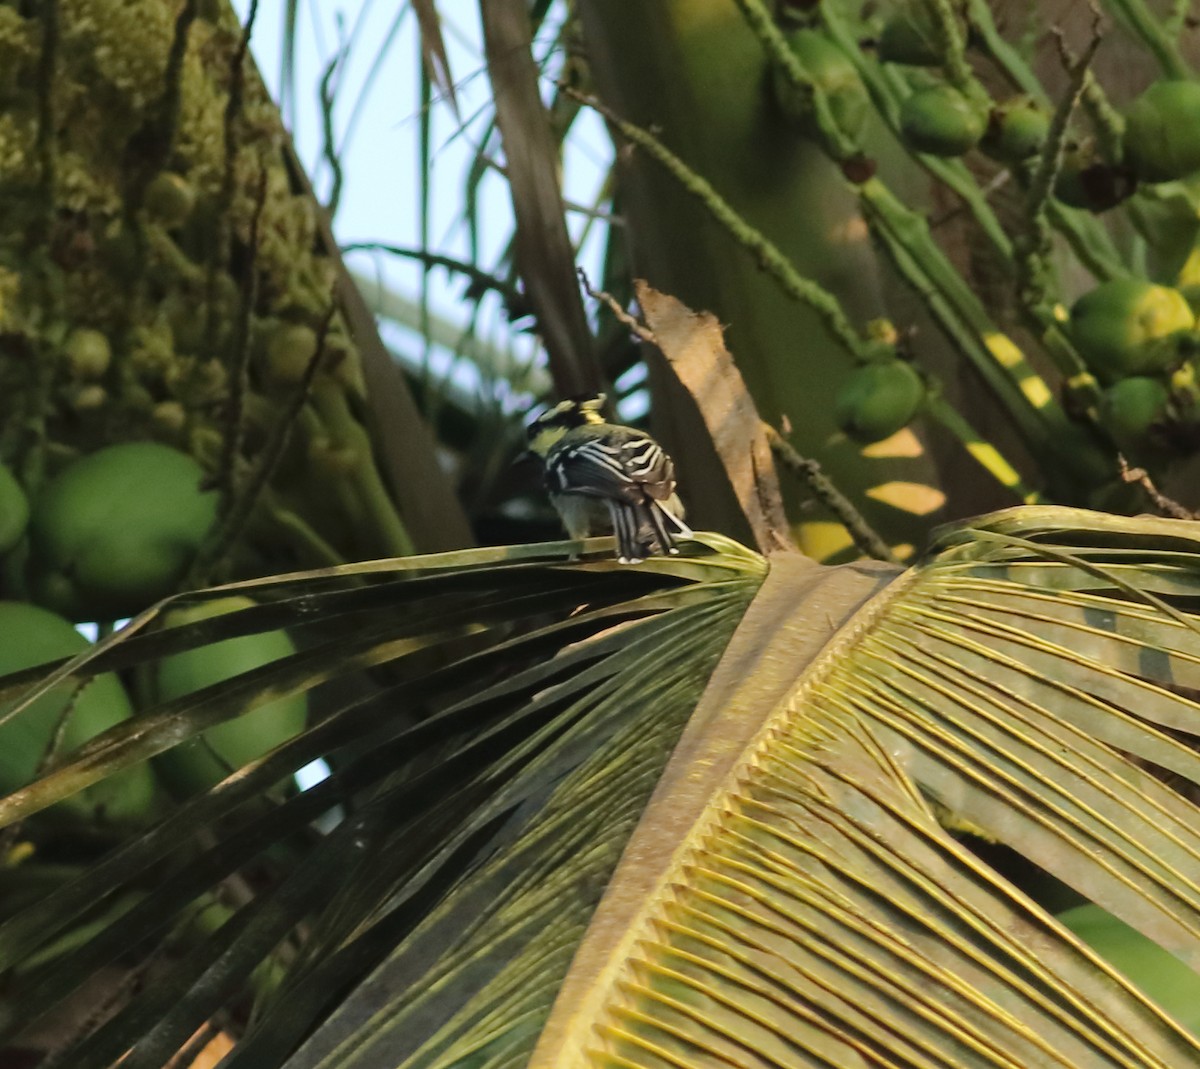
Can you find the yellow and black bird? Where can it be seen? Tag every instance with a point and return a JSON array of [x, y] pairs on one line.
[[604, 478]]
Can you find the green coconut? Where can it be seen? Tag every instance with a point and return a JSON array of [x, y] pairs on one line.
[[169, 199], [833, 73], [1162, 132], [1016, 130], [941, 121], [878, 400], [289, 350], [1132, 408], [88, 353], [1130, 326], [201, 762], [116, 530], [30, 636]]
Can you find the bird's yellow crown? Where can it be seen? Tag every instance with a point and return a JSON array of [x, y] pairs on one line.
[[546, 431]]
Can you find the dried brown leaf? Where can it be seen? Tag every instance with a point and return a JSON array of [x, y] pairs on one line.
[[694, 346]]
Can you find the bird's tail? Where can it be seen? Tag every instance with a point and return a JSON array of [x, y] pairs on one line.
[[645, 528]]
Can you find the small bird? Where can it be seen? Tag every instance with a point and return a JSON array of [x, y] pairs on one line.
[[603, 478]]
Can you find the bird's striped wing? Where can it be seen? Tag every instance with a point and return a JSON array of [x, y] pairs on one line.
[[630, 467]]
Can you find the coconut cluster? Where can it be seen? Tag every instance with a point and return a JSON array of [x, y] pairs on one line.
[[1141, 341], [1136, 337], [154, 252]]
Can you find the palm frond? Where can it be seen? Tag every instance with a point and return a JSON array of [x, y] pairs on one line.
[[470, 705], [792, 895], [810, 883]]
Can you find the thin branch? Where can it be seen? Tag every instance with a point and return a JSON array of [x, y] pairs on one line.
[[952, 46], [328, 89], [768, 255], [1156, 36], [837, 144], [830, 496], [239, 378], [1108, 123], [1034, 250], [47, 70], [166, 123], [1165, 505], [227, 530], [233, 112], [480, 279], [635, 327]]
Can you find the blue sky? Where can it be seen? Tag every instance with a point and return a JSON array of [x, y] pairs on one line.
[[378, 128]]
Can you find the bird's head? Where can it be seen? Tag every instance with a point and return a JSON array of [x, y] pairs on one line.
[[552, 424]]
